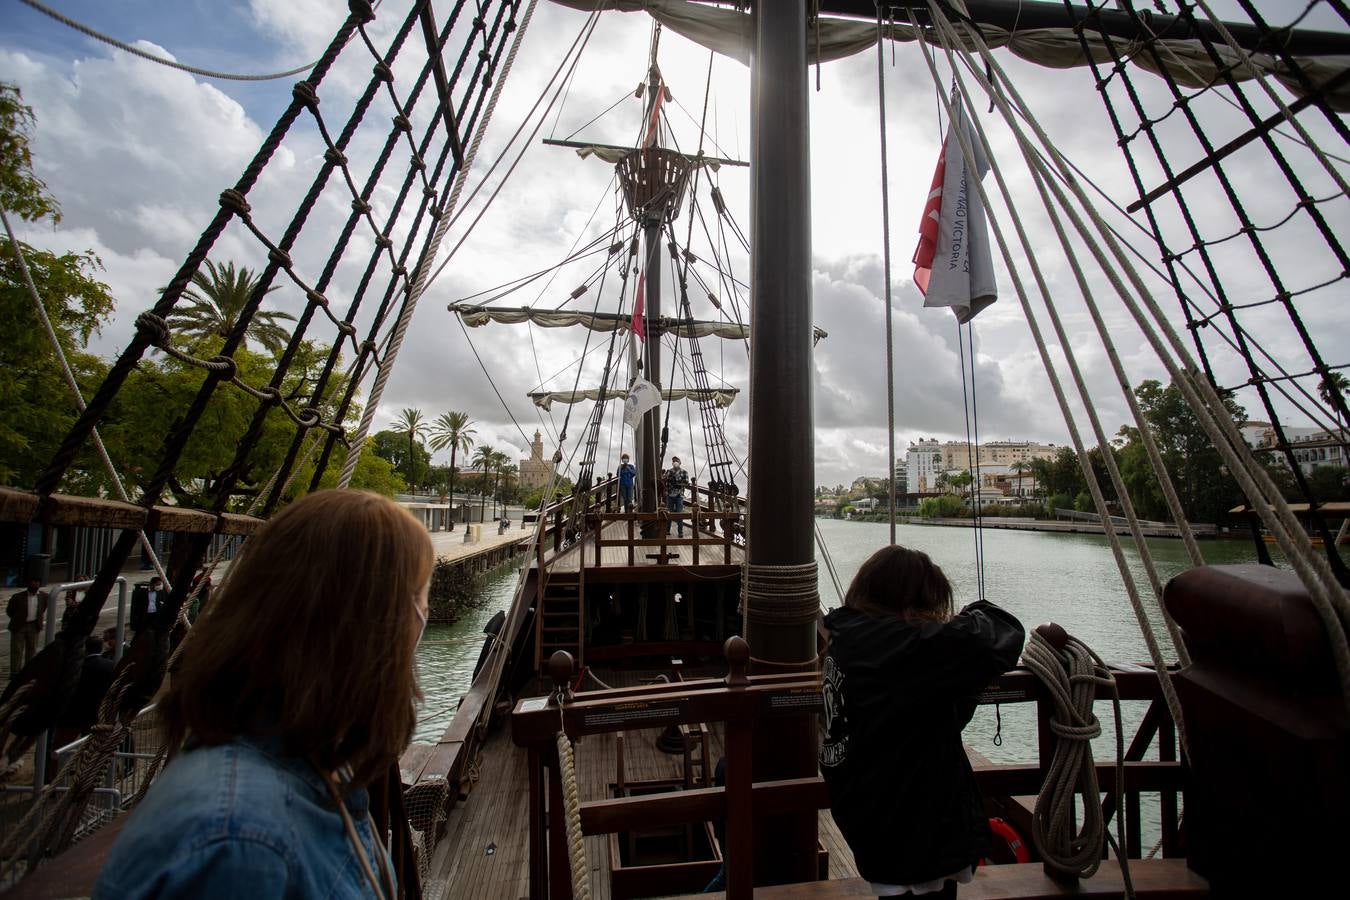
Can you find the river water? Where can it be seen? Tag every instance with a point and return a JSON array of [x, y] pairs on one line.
[[1039, 576]]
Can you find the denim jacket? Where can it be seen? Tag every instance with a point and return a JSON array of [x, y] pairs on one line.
[[241, 819]]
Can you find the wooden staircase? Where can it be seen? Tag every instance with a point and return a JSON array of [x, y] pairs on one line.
[[561, 623]]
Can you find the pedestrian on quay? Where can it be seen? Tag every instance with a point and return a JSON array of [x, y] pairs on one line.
[[900, 680], [72, 599], [146, 600], [272, 742], [676, 481], [627, 482], [26, 610]]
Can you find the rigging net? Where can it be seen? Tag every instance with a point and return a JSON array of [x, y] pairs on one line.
[[439, 97]]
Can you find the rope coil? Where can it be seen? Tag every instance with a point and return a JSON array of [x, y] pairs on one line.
[[780, 595], [1071, 675]]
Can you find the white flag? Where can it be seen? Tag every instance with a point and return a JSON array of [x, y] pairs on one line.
[[954, 265], [642, 396]]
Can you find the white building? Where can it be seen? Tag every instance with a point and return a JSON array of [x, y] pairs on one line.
[[1315, 448], [902, 476], [923, 464]]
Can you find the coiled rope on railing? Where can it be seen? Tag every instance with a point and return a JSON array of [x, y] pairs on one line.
[[567, 775], [1072, 673]]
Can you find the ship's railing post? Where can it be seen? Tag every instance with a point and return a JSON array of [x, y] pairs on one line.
[[739, 854]]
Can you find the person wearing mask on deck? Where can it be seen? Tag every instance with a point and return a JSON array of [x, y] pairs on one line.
[[266, 794], [676, 481], [26, 610], [627, 482], [900, 680]]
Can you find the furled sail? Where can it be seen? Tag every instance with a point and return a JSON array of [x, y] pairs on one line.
[[722, 397], [474, 316], [1189, 62]]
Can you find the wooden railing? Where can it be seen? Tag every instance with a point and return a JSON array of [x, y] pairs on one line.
[[740, 702], [715, 522]]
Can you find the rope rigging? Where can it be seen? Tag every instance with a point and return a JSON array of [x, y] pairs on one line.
[[155, 58]]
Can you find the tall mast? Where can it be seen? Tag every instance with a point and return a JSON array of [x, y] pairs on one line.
[[648, 437], [781, 600]]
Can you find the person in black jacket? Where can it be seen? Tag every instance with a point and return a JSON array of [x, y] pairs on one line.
[[900, 680]]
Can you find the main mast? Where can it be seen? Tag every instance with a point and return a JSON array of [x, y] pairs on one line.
[[649, 435], [780, 590]]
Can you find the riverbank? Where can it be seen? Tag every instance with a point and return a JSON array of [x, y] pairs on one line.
[[456, 580], [1058, 526]]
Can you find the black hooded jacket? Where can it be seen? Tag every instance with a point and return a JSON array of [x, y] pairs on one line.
[[897, 694]]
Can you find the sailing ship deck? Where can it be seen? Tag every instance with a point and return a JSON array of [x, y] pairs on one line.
[[485, 852]]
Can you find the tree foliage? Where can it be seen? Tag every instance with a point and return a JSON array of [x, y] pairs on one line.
[[217, 298]]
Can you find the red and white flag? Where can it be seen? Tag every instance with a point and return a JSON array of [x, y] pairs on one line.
[[639, 326], [655, 118], [953, 265]]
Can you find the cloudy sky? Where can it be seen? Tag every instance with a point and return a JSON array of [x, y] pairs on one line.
[[138, 153]]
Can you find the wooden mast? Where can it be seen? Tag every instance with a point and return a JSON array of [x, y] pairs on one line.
[[781, 604], [649, 436]]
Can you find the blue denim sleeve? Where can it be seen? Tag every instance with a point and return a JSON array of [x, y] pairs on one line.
[[222, 869]]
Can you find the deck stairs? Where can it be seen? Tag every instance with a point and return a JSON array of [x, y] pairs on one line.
[[560, 624]]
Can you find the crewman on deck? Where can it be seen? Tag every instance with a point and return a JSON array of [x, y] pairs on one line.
[[676, 480], [627, 482]]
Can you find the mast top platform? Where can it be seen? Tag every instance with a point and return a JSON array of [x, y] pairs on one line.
[[653, 180]]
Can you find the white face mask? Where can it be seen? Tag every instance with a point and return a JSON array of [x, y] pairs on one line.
[[675, 466]]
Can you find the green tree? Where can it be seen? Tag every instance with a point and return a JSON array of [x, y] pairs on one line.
[[155, 393], [411, 423], [499, 460], [393, 446], [1202, 482], [37, 403], [218, 297], [1333, 385], [484, 459], [454, 430]]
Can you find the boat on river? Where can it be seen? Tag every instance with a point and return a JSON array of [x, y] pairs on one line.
[[582, 759]]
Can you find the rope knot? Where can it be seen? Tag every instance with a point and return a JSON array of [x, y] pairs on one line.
[[347, 328], [359, 205], [305, 93], [402, 124], [430, 193], [235, 202], [224, 365], [362, 11], [155, 329], [383, 72], [309, 417], [383, 241], [279, 257], [269, 394], [335, 156], [316, 298]]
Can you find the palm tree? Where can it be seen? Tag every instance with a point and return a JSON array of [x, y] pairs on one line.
[[410, 422], [1020, 468], [484, 459], [498, 460], [1340, 384], [218, 298], [454, 430]]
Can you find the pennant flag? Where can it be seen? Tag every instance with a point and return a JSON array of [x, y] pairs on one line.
[[639, 326], [642, 396], [953, 265], [661, 93]]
